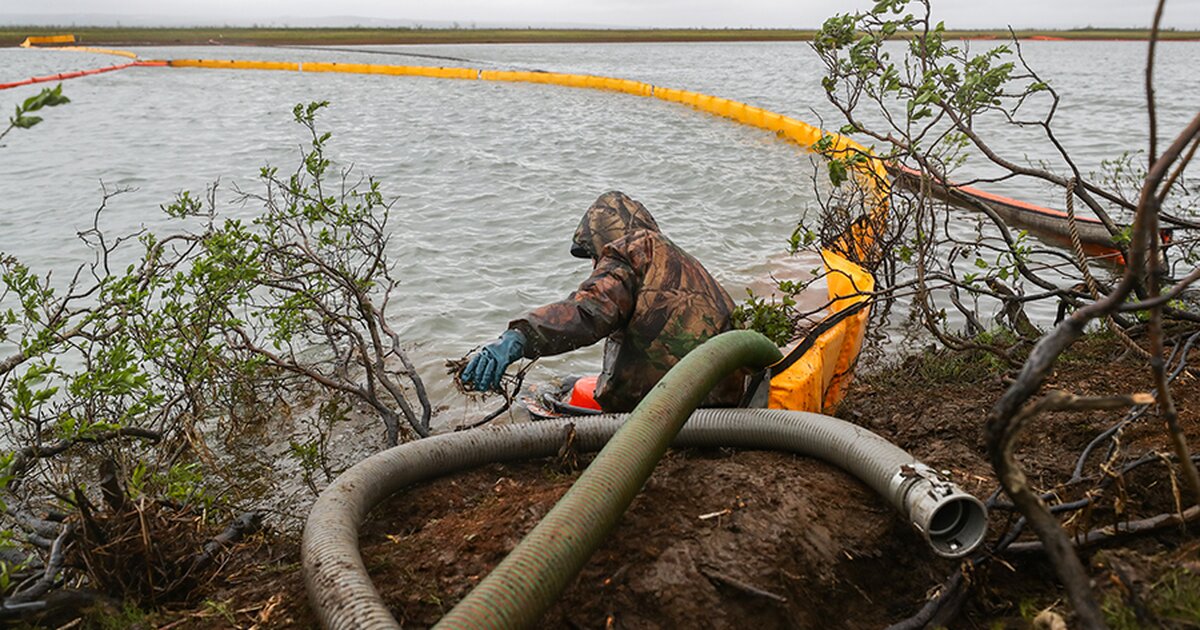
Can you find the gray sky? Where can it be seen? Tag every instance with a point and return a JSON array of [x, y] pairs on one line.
[[653, 13]]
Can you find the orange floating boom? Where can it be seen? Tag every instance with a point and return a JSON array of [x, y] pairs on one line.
[[63, 76]]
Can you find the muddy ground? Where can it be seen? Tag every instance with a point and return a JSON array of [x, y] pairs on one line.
[[797, 544]]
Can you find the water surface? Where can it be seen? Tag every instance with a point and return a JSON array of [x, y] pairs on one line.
[[490, 179]]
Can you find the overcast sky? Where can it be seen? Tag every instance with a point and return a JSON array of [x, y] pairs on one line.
[[643, 13]]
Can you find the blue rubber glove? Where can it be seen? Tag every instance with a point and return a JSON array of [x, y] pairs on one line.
[[487, 366]]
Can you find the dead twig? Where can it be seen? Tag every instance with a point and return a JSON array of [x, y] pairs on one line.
[[1103, 535], [717, 576], [567, 459], [242, 526], [55, 564], [510, 387]]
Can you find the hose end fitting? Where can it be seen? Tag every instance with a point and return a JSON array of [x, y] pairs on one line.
[[952, 521]]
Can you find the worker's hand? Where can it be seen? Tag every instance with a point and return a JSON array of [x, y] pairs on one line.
[[487, 366]]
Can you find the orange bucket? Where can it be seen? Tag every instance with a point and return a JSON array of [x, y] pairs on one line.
[[583, 393]]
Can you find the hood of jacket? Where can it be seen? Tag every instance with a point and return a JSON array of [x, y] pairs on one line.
[[612, 217]]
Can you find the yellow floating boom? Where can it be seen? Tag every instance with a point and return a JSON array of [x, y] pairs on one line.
[[42, 40]]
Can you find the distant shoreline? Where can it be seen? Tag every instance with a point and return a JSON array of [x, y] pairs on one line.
[[118, 36]]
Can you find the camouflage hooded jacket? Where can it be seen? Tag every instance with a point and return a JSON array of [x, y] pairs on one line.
[[652, 300]]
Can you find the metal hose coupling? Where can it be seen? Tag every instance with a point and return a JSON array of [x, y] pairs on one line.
[[953, 521]]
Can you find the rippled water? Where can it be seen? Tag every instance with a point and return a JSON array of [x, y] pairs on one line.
[[491, 178]]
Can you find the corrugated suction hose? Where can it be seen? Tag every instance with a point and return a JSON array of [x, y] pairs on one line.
[[528, 581]]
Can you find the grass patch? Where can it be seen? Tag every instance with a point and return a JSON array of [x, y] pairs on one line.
[[108, 618], [1172, 601], [941, 366]]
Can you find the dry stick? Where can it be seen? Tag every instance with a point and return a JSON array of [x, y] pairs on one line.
[[1166, 402], [718, 576], [519, 380], [944, 606], [1121, 572], [1135, 413], [1104, 484], [409, 368], [41, 451], [1150, 109], [32, 524], [1178, 440], [1005, 421], [1164, 299], [1015, 531], [1104, 534], [923, 291], [246, 524], [1037, 514], [53, 565]]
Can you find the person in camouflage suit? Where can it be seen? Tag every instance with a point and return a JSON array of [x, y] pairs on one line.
[[652, 300]]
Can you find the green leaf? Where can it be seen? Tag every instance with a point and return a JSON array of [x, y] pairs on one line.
[[837, 172], [25, 122]]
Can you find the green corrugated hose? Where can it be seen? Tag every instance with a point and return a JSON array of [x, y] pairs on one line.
[[530, 579]]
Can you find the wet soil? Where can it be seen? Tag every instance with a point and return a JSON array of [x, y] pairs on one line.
[[736, 539], [783, 556]]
